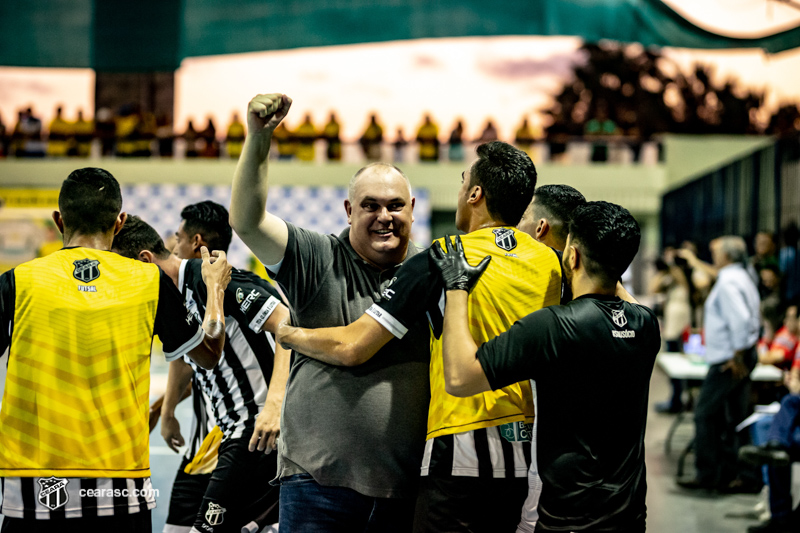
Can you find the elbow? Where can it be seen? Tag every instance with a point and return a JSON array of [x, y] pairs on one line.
[[456, 388], [349, 355]]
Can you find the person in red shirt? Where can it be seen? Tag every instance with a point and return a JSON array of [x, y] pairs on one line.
[[782, 349]]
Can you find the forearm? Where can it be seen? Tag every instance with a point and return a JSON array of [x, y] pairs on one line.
[[349, 345], [280, 375], [771, 357], [704, 267], [329, 345], [250, 184], [458, 346], [214, 328], [178, 379], [623, 294]]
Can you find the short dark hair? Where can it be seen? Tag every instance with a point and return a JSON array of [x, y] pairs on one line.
[[508, 178], [137, 235], [90, 201], [210, 220], [608, 237], [560, 201]]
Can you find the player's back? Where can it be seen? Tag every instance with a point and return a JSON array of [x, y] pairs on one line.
[[79, 365], [522, 277]]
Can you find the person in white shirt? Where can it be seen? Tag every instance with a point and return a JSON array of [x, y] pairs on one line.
[[731, 331]]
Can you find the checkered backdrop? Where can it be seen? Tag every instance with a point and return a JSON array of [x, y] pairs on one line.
[[316, 208]]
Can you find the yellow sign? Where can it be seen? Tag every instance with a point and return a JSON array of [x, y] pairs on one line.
[[27, 198]]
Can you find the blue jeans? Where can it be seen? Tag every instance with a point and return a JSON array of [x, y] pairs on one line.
[[758, 436], [786, 430], [308, 507]]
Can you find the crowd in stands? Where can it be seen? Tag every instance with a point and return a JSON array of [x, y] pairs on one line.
[[130, 132], [684, 285]]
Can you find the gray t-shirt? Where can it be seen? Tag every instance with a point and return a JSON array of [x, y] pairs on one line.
[[360, 427]]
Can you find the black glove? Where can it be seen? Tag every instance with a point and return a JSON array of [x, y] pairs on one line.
[[457, 274]]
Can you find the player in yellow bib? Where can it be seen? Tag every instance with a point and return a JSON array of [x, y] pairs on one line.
[[79, 324], [478, 449]]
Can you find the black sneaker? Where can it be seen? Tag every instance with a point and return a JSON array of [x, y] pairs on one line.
[[764, 455]]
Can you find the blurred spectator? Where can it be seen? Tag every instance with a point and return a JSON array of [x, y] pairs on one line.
[[524, 137], [783, 346], [144, 135], [27, 136], [58, 135], [769, 289], [701, 277], [190, 137], [428, 139], [127, 126], [456, 143], [234, 139], [731, 332], [331, 135], [764, 248], [165, 136], [209, 146], [285, 142], [3, 139], [789, 261], [306, 134], [399, 144], [764, 255], [371, 139], [782, 447], [600, 126], [672, 283], [489, 133], [84, 133], [106, 131]]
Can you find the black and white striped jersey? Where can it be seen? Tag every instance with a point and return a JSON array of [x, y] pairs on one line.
[[202, 421], [481, 453], [236, 388], [47, 498]]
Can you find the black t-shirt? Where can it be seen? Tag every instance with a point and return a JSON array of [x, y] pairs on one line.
[[592, 360]]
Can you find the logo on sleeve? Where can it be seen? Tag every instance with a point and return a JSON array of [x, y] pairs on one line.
[[239, 295], [86, 270], [53, 492], [252, 297], [215, 514], [505, 238]]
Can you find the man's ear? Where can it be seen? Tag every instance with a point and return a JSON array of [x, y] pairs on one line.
[[413, 201], [542, 229], [197, 242], [574, 258], [475, 194], [348, 208], [121, 218], [59, 221], [146, 256]]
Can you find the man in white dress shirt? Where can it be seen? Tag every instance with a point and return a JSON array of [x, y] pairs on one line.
[[731, 331]]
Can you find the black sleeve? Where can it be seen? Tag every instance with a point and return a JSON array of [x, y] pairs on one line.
[[523, 352], [308, 257], [178, 329], [7, 306], [250, 299], [414, 291]]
